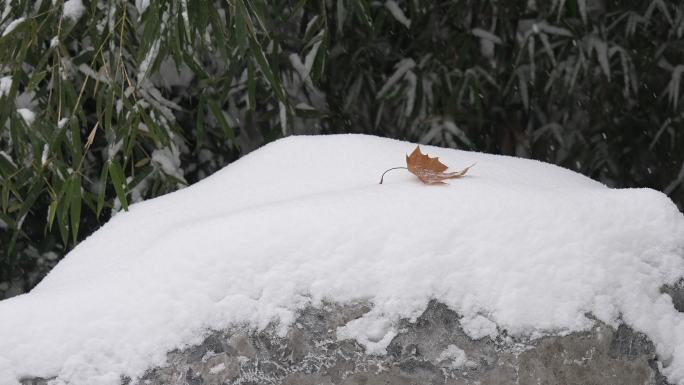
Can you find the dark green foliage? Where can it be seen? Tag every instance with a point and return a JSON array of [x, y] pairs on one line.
[[130, 105]]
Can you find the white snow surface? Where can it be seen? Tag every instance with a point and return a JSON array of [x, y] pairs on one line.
[[478, 327], [529, 246]]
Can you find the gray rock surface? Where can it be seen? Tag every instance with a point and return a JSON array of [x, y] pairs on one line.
[[676, 291], [433, 350]]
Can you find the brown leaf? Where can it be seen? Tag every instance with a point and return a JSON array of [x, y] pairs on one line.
[[431, 170]]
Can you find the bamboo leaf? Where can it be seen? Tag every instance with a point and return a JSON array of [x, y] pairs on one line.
[[257, 9], [364, 12], [119, 183], [75, 206], [257, 51], [199, 124], [102, 185], [251, 85], [218, 32], [221, 119]]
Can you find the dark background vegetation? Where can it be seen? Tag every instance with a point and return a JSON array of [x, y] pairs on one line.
[[132, 101]]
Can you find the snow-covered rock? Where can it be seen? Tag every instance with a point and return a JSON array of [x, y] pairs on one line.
[[433, 350], [517, 245]]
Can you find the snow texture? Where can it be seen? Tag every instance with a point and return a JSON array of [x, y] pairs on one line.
[[478, 327], [8, 158], [12, 25], [142, 5], [44, 154], [28, 115], [454, 356], [168, 158], [404, 66], [5, 85], [73, 9], [218, 368], [519, 244], [397, 13], [62, 122]]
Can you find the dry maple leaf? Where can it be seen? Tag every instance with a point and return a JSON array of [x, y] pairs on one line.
[[428, 170]]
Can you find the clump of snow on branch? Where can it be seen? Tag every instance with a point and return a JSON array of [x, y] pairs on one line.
[[5, 85], [13, 25], [397, 13], [26, 114], [73, 9]]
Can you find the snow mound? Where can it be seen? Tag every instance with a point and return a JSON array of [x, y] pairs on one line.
[[518, 245]]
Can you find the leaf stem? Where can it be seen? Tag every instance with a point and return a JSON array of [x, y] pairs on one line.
[[393, 168]]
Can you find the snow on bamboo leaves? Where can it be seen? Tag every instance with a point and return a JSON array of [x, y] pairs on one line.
[[428, 170]]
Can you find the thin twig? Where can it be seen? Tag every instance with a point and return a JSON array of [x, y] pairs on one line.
[[393, 168]]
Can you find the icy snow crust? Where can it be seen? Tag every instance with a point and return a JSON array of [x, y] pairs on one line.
[[517, 244]]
